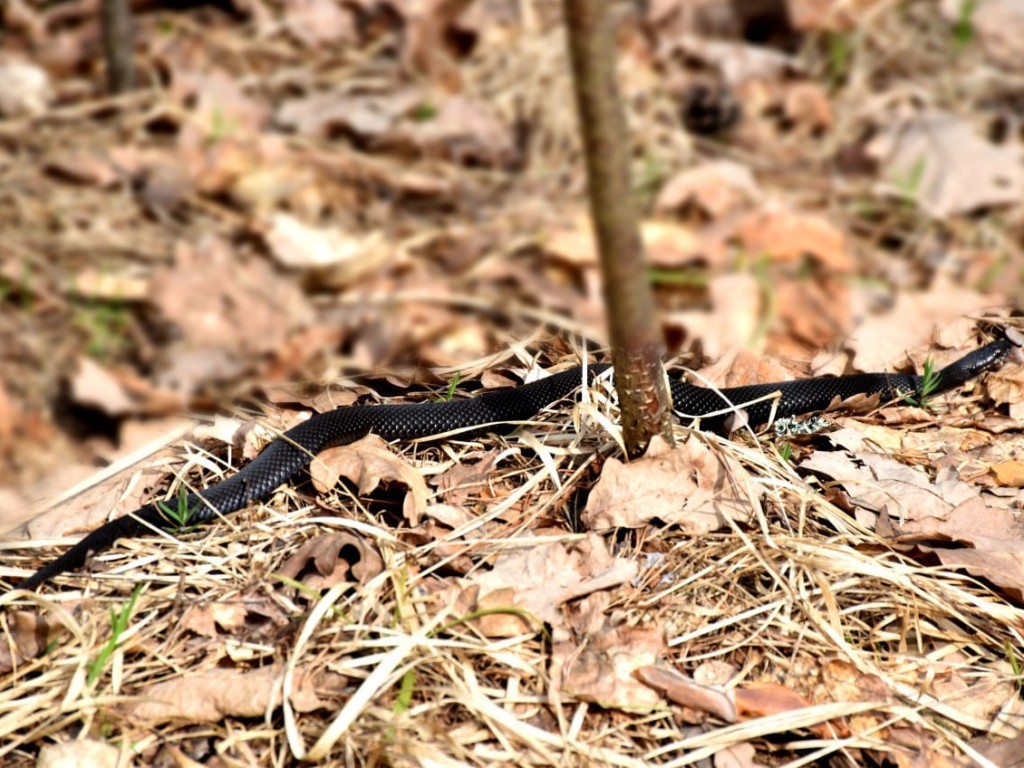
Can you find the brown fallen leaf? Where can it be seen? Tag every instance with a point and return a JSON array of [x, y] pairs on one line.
[[842, 681], [998, 28], [464, 130], [807, 107], [716, 189], [1005, 754], [204, 619], [951, 519], [465, 479], [693, 485], [319, 22], [368, 117], [340, 256], [536, 581], [766, 699], [426, 52], [789, 236], [94, 386], [79, 752], [223, 324], [954, 681], [25, 89], [814, 312], [212, 695], [945, 166], [85, 167], [684, 691], [104, 285], [738, 756], [28, 634], [827, 15], [368, 462], [735, 312], [602, 666], [1006, 385], [1009, 474], [335, 557]]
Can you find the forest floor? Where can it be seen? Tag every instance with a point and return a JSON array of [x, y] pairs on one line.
[[308, 204]]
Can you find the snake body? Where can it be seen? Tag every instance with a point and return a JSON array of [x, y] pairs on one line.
[[291, 453]]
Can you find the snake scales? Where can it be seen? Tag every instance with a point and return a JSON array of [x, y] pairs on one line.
[[291, 453]]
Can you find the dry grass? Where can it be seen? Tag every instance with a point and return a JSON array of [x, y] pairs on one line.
[[799, 586], [922, 658]]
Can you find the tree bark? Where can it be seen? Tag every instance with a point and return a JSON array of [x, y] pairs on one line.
[[118, 44], [635, 338]]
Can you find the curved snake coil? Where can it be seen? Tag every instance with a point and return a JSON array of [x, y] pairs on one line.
[[292, 452]]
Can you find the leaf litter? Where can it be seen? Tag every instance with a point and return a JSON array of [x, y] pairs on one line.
[[406, 199]]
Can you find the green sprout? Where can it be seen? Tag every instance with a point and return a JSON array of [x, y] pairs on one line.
[[105, 324], [181, 513], [424, 111], [786, 452], [1015, 665], [449, 391], [840, 52], [681, 276], [929, 381], [222, 125], [118, 625], [963, 27], [929, 385], [649, 180], [909, 185]]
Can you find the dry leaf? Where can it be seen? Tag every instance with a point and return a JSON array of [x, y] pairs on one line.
[[215, 694], [538, 579], [319, 22], [602, 667], [998, 26], [25, 89], [426, 53], [335, 557], [465, 131], [940, 162], [827, 15], [883, 341], [682, 690], [924, 514], [28, 634], [716, 189], [1005, 754], [466, 479], [348, 256], [7, 415], [78, 753], [737, 305], [1009, 474], [204, 619], [86, 167], [96, 387], [104, 285], [789, 236], [224, 324], [693, 486], [765, 699], [366, 463], [738, 756], [365, 116]]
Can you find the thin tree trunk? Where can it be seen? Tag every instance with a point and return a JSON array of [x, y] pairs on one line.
[[118, 47], [636, 341]]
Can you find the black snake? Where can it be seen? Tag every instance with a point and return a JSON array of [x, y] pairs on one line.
[[291, 453]]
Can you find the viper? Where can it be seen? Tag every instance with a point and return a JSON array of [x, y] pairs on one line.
[[292, 452]]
